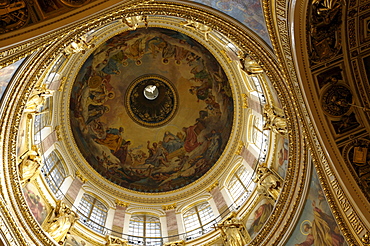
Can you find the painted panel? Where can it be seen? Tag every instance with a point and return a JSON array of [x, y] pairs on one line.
[[35, 202], [280, 164], [248, 12], [6, 74], [316, 225], [259, 216]]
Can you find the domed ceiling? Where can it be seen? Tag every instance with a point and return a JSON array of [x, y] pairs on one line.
[[151, 110]]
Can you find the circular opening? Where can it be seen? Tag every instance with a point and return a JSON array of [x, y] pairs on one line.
[[151, 92]]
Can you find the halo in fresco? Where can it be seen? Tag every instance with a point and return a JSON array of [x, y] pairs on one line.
[[145, 158]]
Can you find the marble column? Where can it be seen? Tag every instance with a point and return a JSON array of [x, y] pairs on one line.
[[119, 218], [218, 199], [73, 190], [172, 226]]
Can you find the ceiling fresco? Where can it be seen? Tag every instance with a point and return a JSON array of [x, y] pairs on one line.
[[151, 110]]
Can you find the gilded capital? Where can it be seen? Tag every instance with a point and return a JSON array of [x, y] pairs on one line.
[[121, 203], [169, 206]]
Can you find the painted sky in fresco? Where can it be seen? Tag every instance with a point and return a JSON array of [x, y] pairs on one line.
[[6, 75], [248, 12]]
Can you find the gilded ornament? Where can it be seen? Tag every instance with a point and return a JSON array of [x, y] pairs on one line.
[[37, 99], [133, 22], [325, 24], [233, 231], [30, 166], [249, 65], [115, 241], [274, 120], [268, 183], [81, 177], [60, 222], [200, 27], [13, 15], [169, 207], [175, 243], [121, 203], [214, 185]]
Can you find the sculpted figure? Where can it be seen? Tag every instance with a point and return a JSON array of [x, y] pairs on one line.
[[233, 231], [267, 182], [198, 26], [274, 121], [80, 45], [37, 100], [30, 166], [134, 21], [60, 222], [115, 241], [249, 65]]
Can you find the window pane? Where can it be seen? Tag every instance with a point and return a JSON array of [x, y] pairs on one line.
[[93, 213]]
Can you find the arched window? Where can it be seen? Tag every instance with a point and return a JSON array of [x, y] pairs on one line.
[[93, 213], [54, 172], [43, 118], [196, 220], [241, 186], [145, 230]]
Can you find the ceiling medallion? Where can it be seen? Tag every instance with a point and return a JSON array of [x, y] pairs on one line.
[[336, 101], [151, 101]]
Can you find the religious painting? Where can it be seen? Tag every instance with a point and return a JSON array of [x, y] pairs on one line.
[[248, 12], [35, 202], [259, 216], [151, 110], [74, 240], [316, 225], [6, 74], [282, 155]]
